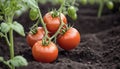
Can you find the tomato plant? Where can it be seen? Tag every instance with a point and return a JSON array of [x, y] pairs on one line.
[[32, 38], [8, 8], [43, 53], [102, 3], [69, 40], [52, 21]]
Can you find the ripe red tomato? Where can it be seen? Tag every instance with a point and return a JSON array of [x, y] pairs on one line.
[[69, 40], [44, 54], [32, 38], [53, 23]]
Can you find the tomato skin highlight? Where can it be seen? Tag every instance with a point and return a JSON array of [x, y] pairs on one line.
[[69, 40], [53, 23], [45, 54], [32, 38]]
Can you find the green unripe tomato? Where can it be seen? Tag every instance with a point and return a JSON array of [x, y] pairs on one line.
[[110, 5], [33, 14], [60, 1], [74, 17], [92, 2], [71, 10], [84, 2]]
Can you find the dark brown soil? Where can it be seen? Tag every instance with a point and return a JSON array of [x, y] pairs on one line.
[[99, 47]]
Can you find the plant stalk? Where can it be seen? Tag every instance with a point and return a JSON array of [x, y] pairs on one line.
[[46, 37], [61, 7], [100, 9], [11, 46], [61, 22], [58, 31]]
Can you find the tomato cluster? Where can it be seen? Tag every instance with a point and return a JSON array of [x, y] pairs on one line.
[[68, 38]]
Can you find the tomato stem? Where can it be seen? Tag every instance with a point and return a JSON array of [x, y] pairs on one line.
[[73, 2], [11, 45], [6, 38], [60, 27], [5, 62], [61, 7], [43, 24], [100, 8], [61, 22], [45, 38], [34, 28]]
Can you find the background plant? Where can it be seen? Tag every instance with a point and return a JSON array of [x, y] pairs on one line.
[[110, 4], [102, 3], [8, 9]]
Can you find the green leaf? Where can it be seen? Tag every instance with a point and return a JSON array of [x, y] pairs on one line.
[[31, 3], [5, 27], [18, 61], [1, 59], [20, 11], [18, 28]]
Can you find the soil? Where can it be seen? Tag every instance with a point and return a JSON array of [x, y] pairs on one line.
[[99, 47]]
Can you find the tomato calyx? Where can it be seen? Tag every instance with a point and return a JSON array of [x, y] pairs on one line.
[[33, 31], [65, 29], [54, 13], [46, 41]]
